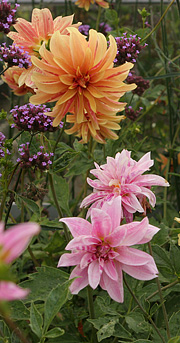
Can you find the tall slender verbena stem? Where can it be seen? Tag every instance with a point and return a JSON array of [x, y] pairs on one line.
[[161, 298]]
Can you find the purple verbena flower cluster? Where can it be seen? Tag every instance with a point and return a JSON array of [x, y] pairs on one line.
[[128, 49], [40, 160], [2, 138], [30, 117], [142, 84], [7, 16], [14, 56], [131, 114], [84, 29], [104, 28]]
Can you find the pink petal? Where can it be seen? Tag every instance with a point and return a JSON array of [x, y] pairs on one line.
[[116, 237], [151, 231], [110, 270], [131, 256], [135, 232], [81, 281], [84, 243], [151, 180], [147, 271], [77, 226], [10, 291], [87, 258], [101, 223], [93, 197], [114, 288], [98, 185], [131, 203], [94, 274], [16, 239], [70, 259], [113, 209]]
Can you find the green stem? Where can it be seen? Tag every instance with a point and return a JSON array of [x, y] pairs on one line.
[[22, 189], [98, 18], [159, 22], [14, 328], [91, 312], [36, 263], [3, 71], [18, 134], [142, 309], [161, 298], [163, 289], [66, 232]]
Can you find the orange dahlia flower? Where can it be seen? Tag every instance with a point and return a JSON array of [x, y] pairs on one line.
[[32, 34], [98, 127], [15, 78], [79, 75], [86, 3]]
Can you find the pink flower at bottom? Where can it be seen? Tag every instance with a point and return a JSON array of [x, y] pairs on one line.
[[10, 291], [123, 176], [102, 250]]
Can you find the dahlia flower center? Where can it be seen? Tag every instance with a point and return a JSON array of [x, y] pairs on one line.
[[102, 251], [80, 81], [116, 185]]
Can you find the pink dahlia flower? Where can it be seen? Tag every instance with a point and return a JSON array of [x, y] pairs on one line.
[[102, 250], [10, 291], [123, 176]]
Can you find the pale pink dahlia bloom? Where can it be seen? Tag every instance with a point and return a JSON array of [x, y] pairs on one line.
[[102, 250], [123, 176], [12, 244]]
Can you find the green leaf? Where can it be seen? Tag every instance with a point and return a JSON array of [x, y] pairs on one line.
[[31, 205], [56, 243], [62, 192], [56, 299], [64, 160], [36, 321], [162, 260], [19, 311], [112, 16], [136, 322], [42, 282], [106, 308], [56, 332], [174, 340], [174, 324], [107, 330], [175, 258]]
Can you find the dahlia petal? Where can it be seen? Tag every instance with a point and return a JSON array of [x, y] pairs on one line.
[[131, 203], [117, 237], [113, 209], [114, 288], [147, 271], [151, 180], [81, 281], [149, 234], [135, 232], [93, 197], [101, 223], [87, 258], [110, 270], [83, 243], [77, 226], [94, 274], [131, 256], [42, 22], [70, 259]]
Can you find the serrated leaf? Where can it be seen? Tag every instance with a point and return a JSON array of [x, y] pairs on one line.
[[19, 311], [136, 322], [53, 333], [56, 299], [107, 330], [42, 282], [101, 302], [162, 260], [36, 321]]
